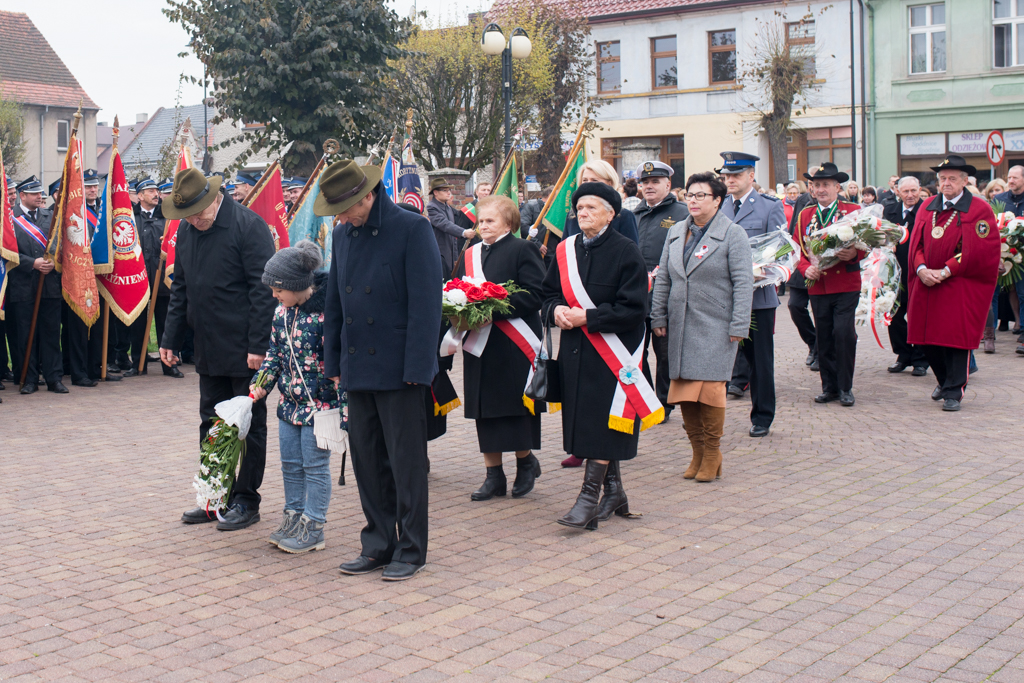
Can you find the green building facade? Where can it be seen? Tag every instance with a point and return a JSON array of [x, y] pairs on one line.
[[942, 76]]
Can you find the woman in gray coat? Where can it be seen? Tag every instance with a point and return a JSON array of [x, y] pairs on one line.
[[702, 298]]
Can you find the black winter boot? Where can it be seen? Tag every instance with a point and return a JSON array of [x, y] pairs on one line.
[[584, 512], [527, 471], [494, 485], [614, 501]]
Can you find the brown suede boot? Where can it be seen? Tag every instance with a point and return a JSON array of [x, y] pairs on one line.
[[989, 339], [714, 425], [694, 429]]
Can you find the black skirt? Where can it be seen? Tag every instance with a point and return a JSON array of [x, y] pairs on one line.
[[507, 434]]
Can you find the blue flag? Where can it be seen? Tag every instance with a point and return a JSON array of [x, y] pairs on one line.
[[102, 240], [306, 225], [409, 189], [389, 177]]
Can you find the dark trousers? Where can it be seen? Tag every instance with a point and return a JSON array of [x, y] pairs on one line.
[[756, 364], [159, 317], [84, 348], [950, 368], [837, 339], [213, 390], [388, 439], [661, 381], [906, 353], [798, 300], [44, 357], [118, 344], [5, 362]]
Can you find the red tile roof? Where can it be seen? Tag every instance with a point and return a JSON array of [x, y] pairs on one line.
[[597, 10], [30, 71]]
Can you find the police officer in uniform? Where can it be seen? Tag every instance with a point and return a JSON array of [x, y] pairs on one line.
[[243, 185], [758, 214], [659, 212], [32, 228]]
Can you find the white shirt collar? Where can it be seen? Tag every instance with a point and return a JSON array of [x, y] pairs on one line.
[[826, 208], [499, 239], [743, 199], [954, 200], [25, 209]]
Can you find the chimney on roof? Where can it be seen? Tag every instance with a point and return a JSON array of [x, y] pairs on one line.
[[141, 118]]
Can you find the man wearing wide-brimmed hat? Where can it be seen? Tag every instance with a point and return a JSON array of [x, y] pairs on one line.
[[381, 326], [955, 255], [442, 219], [218, 290], [835, 291]]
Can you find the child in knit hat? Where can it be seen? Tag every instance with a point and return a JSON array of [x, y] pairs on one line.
[[295, 360]]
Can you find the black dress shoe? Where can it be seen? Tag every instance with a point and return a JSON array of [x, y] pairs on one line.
[[29, 389], [810, 358], [919, 371], [814, 366], [494, 484], [758, 430], [238, 517], [112, 378], [527, 471], [7, 376], [57, 388], [937, 394], [130, 372], [734, 391], [113, 368], [951, 405], [85, 383], [2, 387], [362, 565], [898, 366], [198, 516], [846, 398], [173, 372], [400, 571], [826, 397]]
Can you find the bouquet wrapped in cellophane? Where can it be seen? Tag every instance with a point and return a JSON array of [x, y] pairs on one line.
[[775, 256], [864, 229], [879, 290], [1011, 236], [223, 449], [471, 303]]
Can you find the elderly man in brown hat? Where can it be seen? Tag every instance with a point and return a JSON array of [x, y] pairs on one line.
[[442, 219], [381, 326], [221, 250]]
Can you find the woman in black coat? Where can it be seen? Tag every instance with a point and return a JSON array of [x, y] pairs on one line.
[[495, 380], [612, 272]]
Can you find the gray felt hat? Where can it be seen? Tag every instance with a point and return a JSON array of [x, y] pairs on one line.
[[292, 268]]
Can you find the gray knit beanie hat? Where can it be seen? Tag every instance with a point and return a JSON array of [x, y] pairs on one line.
[[292, 268]]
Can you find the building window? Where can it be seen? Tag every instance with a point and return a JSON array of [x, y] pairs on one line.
[[63, 134], [800, 41], [722, 56], [609, 73], [1007, 39], [663, 63], [672, 153], [928, 38], [830, 144]]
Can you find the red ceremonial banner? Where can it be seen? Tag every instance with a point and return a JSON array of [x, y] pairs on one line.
[[8, 240], [72, 255], [126, 288], [171, 227], [267, 200]]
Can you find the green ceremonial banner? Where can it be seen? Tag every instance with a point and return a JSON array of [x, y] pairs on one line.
[[561, 206], [508, 183]]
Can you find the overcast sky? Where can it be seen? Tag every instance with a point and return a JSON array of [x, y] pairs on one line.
[[124, 52]]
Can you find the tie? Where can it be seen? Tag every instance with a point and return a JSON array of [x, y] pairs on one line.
[[736, 206], [948, 206], [32, 214]]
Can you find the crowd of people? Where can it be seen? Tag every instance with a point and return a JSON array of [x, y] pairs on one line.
[[644, 265]]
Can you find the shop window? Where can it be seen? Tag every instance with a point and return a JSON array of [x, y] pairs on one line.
[[609, 71], [663, 63], [722, 56], [927, 38], [1007, 38], [800, 41], [63, 135]]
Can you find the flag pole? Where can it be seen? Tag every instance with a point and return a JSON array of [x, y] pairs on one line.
[[331, 146], [47, 256], [106, 340], [387, 152], [576, 147], [249, 198]]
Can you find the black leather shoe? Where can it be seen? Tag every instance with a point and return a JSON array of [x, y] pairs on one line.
[[29, 389], [2, 387], [362, 565], [919, 371], [898, 366], [174, 372], [400, 571], [810, 358], [734, 391], [112, 378], [198, 516], [527, 471], [614, 501], [951, 405], [814, 366], [937, 394], [114, 369], [583, 514], [7, 376], [85, 383], [758, 430], [238, 517], [130, 372], [57, 388], [846, 398], [826, 397], [494, 485]]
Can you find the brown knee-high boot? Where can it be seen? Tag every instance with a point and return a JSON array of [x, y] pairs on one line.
[[695, 430], [714, 425]]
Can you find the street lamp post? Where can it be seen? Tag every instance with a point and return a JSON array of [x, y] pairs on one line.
[[493, 42]]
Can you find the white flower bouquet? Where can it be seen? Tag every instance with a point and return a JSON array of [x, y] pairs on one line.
[[775, 256], [879, 290], [864, 229], [1011, 237]]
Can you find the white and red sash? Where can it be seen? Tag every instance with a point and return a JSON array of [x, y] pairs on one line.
[[634, 395], [475, 341], [34, 232]]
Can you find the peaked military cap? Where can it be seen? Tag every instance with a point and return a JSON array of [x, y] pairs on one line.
[[30, 185], [146, 184], [736, 162], [245, 179], [54, 187], [90, 177], [653, 169]]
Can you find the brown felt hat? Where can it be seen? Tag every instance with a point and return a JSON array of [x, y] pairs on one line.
[[192, 193], [342, 184], [439, 184]]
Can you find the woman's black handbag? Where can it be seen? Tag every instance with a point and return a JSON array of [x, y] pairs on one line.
[[546, 384]]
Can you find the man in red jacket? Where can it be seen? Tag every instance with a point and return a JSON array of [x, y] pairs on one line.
[[835, 291], [954, 251]]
